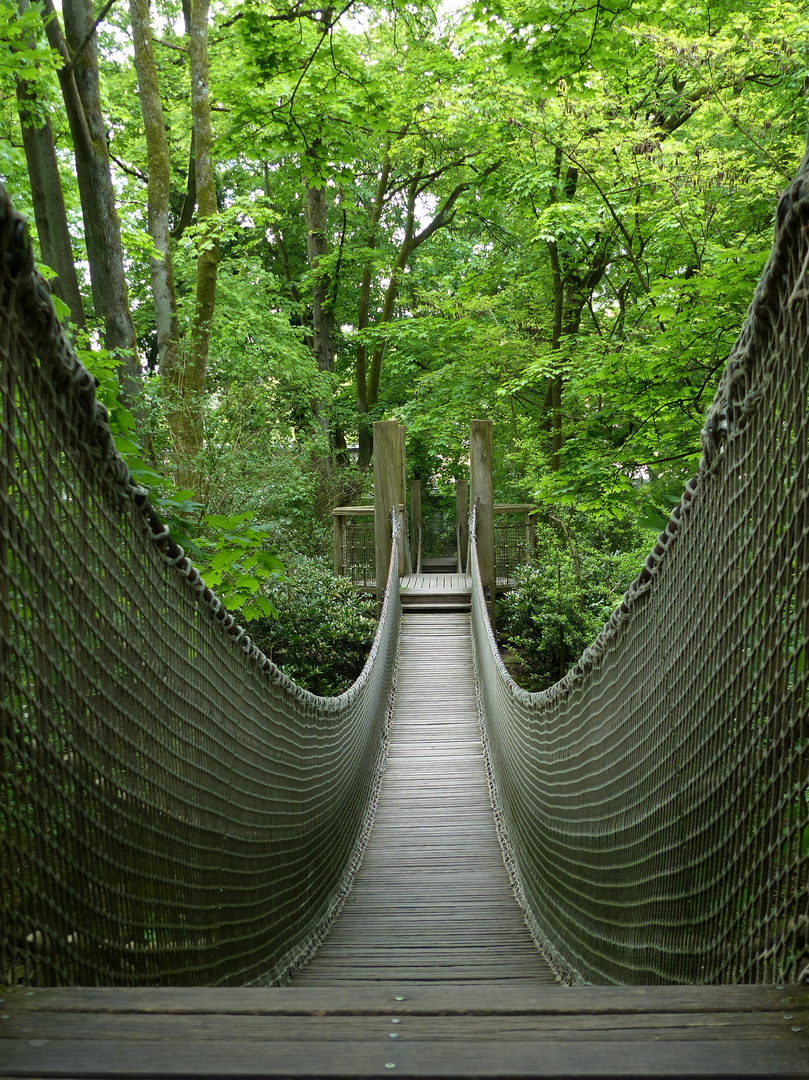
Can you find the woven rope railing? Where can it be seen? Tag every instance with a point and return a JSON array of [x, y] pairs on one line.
[[173, 810], [653, 804]]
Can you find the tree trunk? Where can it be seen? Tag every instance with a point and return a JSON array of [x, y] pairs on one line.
[[80, 89], [365, 428], [47, 197], [193, 388], [159, 168], [322, 340], [557, 435], [322, 299]]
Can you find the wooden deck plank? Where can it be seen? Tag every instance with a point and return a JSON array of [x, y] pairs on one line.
[[430, 864], [366, 1028], [415, 999], [425, 593], [413, 1031], [594, 1059]]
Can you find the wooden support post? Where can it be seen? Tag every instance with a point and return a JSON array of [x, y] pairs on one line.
[[481, 456], [339, 524], [415, 522], [387, 483], [402, 500], [462, 518]]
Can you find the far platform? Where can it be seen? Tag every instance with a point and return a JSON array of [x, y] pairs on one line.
[[436, 592]]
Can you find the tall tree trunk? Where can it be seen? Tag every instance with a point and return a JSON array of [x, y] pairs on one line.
[[159, 168], [191, 428], [322, 342], [322, 298], [47, 196], [80, 89], [365, 427]]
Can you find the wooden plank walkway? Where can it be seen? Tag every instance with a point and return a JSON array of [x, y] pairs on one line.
[[432, 582], [432, 900], [725, 1033]]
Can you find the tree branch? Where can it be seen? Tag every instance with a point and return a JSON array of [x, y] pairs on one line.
[[130, 170], [168, 45], [72, 64], [618, 222]]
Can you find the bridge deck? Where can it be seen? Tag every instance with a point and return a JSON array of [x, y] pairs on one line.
[[432, 900], [428, 972]]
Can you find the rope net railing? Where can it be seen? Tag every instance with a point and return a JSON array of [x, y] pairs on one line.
[[653, 804], [173, 810]]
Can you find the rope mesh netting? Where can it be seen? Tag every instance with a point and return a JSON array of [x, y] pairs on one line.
[[653, 804], [173, 809]]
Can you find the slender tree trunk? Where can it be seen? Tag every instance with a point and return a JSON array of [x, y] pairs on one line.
[[322, 341], [81, 92], [554, 393], [572, 288], [365, 427], [322, 300], [194, 376], [49, 204], [190, 197], [47, 196], [159, 168]]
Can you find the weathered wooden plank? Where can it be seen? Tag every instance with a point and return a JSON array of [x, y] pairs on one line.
[[745, 1058], [425, 1000], [340, 1028]]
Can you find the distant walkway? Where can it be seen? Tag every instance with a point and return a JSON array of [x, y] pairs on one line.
[[432, 901], [432, 582]]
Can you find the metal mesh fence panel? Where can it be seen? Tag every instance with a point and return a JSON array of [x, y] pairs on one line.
[[173, 810], [653, 804], [359, 550], [511, 549]]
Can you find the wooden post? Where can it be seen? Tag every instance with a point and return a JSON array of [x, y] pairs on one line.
[[387, 482], [402, 500], [415, 522], [481, 456], [339, 524], [462, 518]]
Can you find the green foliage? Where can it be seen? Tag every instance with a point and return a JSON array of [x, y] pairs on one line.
[[235, 565], [229, 549], [561, 602], [625, 159], [323, 630]]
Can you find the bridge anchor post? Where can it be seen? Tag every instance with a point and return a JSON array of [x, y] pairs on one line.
[[388, 472], [481, 456]]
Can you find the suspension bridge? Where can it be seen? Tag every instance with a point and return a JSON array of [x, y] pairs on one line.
[[206, 870]]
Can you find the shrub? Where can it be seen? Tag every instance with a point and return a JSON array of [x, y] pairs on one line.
[[560, 603], [324, 629]]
